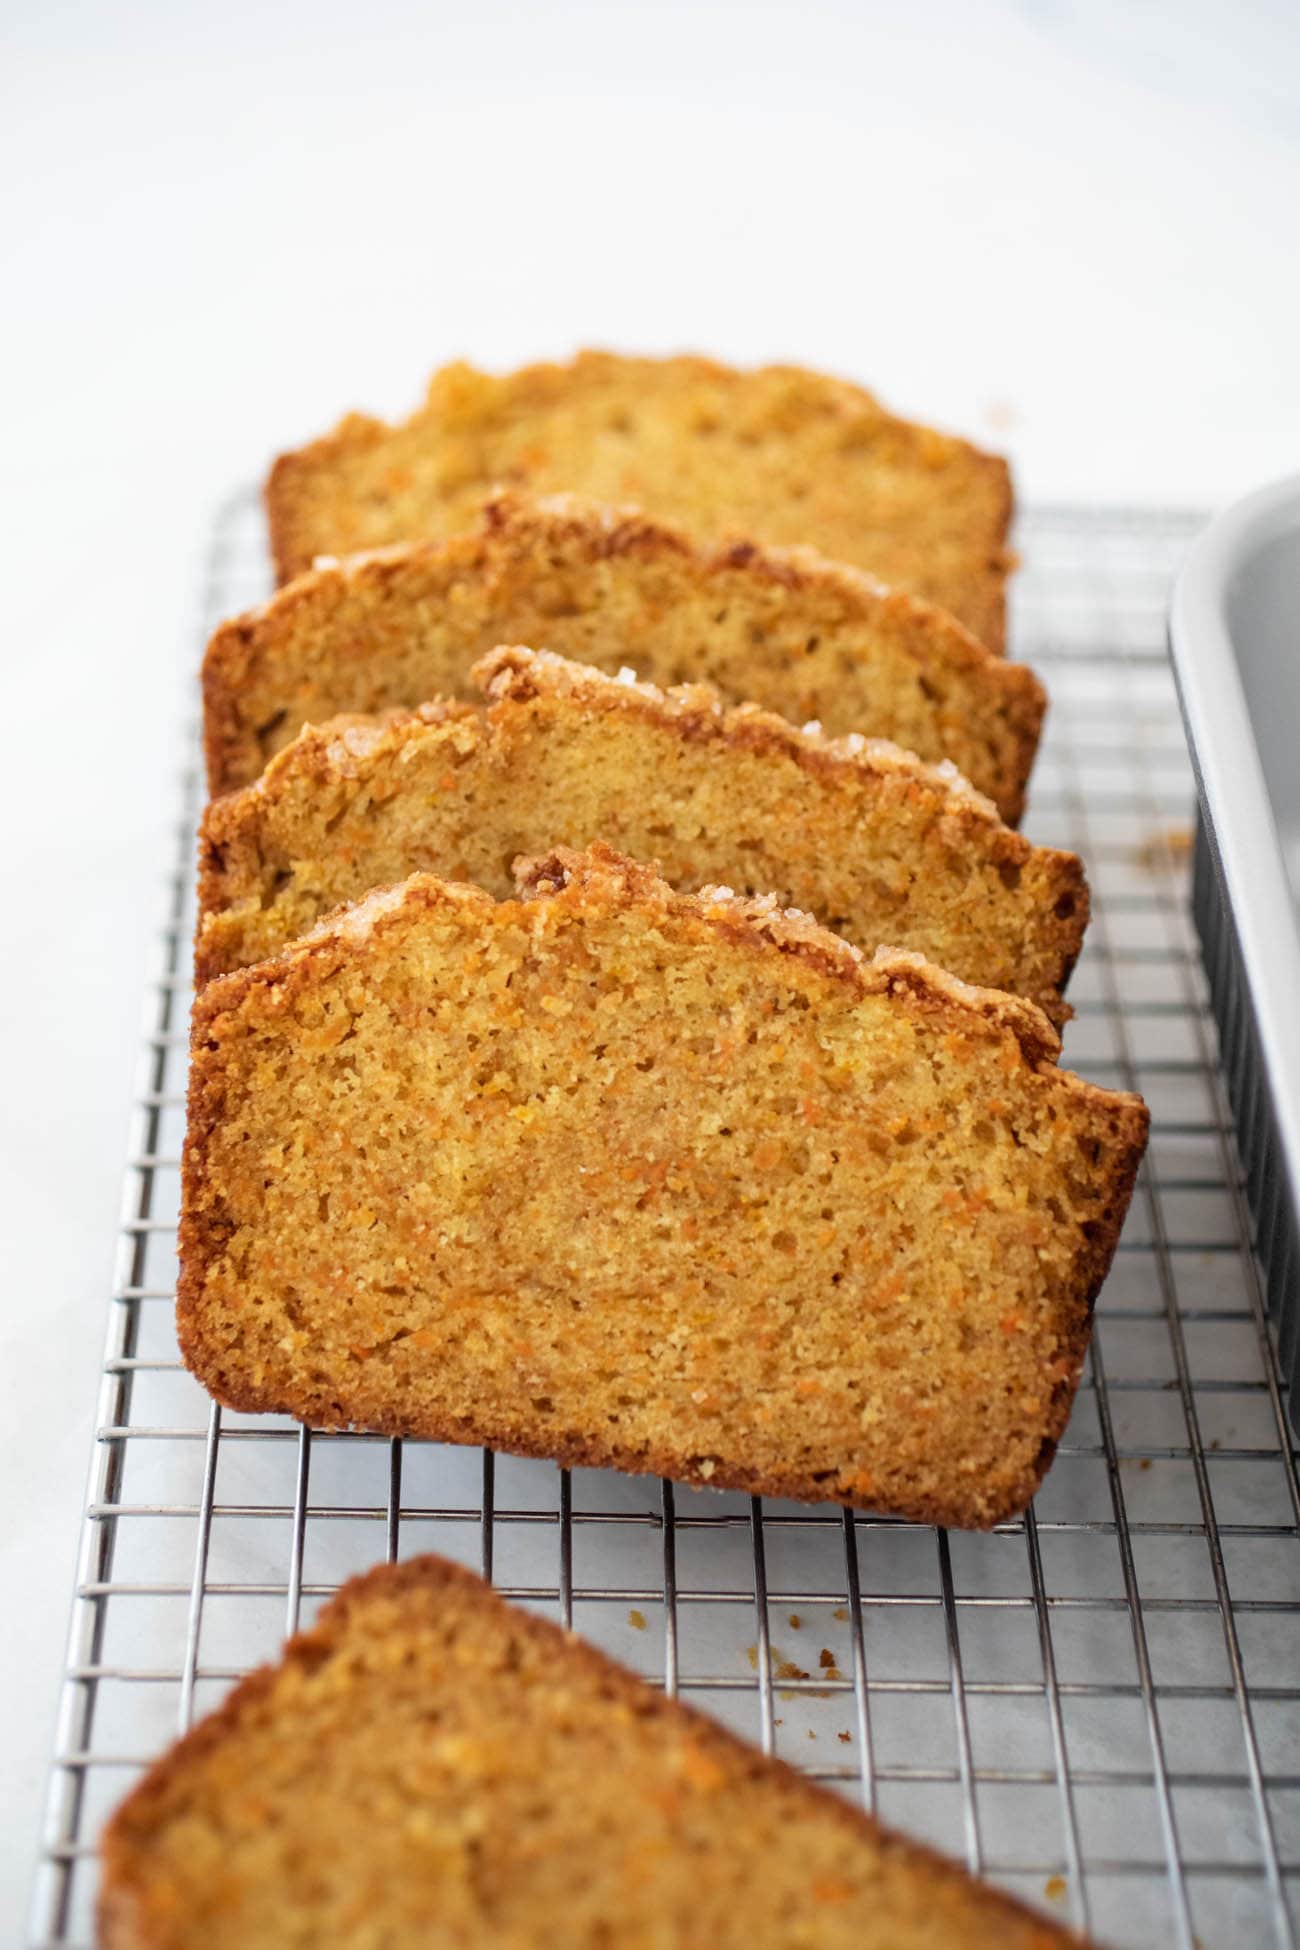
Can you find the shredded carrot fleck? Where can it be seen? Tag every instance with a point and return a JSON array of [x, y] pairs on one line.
[[886, 1290], [831, 1889], [701, 1770]]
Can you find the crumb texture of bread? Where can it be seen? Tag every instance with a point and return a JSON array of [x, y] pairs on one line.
[[777, 455], [802, 636], [430, 1765], [678, 1184], [876, 845]]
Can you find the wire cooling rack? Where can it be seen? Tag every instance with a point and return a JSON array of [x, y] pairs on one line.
[[1098, 1707]]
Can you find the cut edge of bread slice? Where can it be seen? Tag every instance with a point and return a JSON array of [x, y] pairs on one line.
[[642, 1720], [596, 878], [928, 638], [340, 749]]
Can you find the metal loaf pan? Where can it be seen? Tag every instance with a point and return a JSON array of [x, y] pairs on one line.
[[1235, 639]]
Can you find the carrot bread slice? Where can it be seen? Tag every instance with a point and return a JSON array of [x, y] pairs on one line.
[[803, 636], [779, 455], [879, 846], [431, 1765], [672, 1182]]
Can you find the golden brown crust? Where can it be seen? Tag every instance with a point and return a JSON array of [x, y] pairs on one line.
[[513, 528], [126, 1841], [309, 512], [601, 880]]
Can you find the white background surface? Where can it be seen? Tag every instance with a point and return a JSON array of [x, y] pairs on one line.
[[1066, 228]]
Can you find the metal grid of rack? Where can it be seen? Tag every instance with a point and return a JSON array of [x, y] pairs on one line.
[[1097, 1707]]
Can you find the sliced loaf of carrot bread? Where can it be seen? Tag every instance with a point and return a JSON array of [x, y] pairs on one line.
[[432, 1766], [877, 845], [803, 636], [673, 1183], [777, 455]]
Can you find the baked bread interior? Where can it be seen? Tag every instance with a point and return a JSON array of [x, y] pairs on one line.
[[674, 1183]]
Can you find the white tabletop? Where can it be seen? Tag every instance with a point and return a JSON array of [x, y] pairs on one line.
[[1066, 230]]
